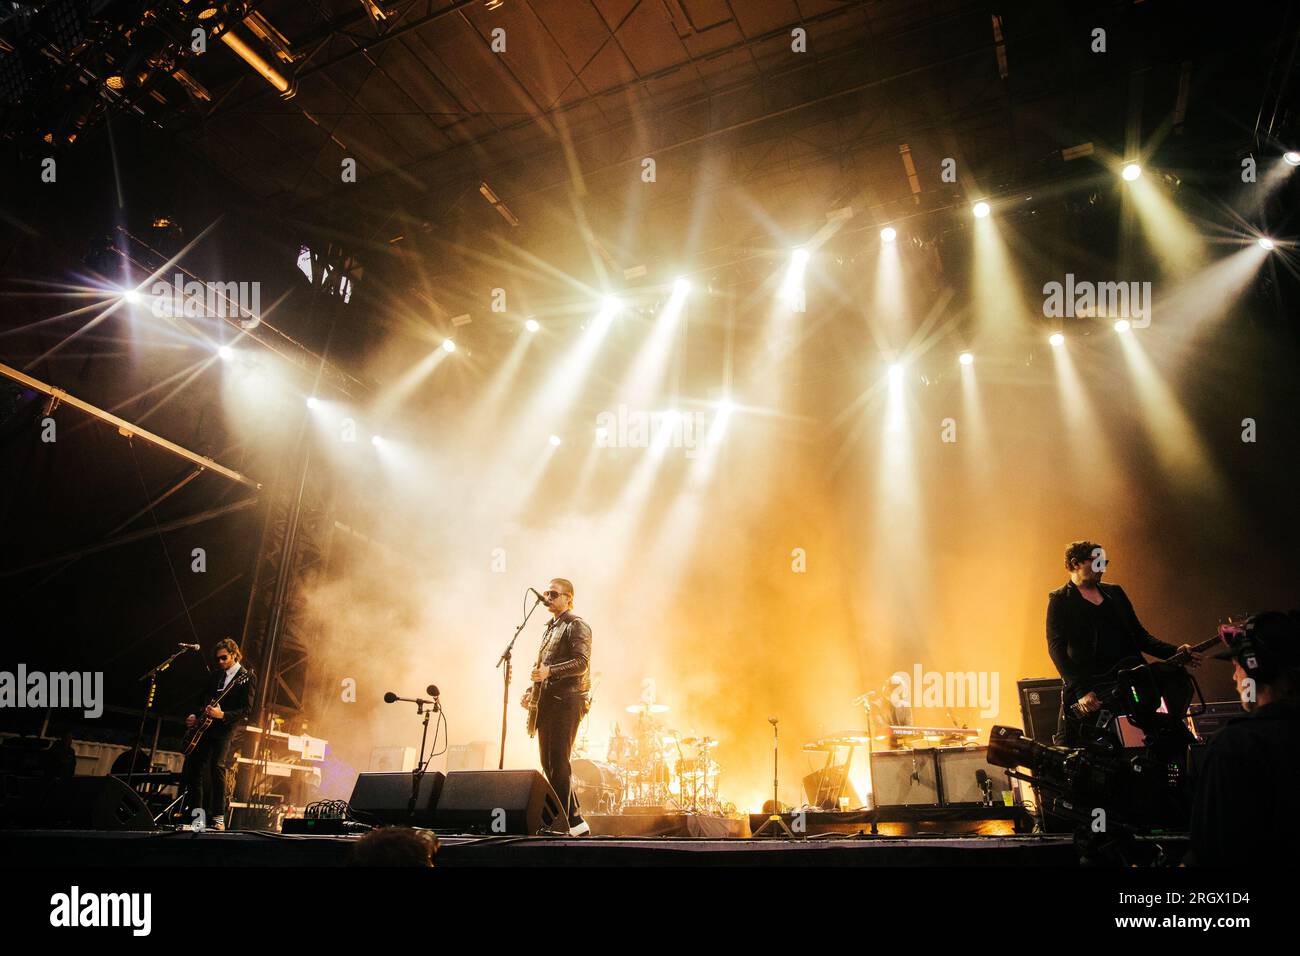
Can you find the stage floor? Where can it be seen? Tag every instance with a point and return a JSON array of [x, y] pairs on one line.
[[77, 848]]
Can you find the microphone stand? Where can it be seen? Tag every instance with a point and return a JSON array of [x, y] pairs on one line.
[[418, 774], [774, 822], [422, 765], [150, 675], [505, 658]]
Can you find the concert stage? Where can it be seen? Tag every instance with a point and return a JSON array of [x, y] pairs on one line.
[[95, 848]]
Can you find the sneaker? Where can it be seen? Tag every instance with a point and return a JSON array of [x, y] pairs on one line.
[[582, 829], [217, 825]]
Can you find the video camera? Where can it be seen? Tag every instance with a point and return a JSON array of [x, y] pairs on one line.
[[1139, 791]]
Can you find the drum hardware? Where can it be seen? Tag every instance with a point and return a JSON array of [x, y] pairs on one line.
[[652, 769]]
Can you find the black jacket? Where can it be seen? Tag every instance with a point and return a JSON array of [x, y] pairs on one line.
[[1245, 786], [1072, 636], [568, 654], [237, 705]]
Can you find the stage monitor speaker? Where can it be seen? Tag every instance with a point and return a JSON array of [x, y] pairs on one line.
[[1040, 706], [904, 778], [959, 769], [386, 798], [95, 803], [498, 801]]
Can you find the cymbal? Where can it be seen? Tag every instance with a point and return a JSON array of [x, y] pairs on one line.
[[647, 708]]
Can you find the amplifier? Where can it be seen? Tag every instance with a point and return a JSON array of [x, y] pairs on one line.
[[904, 778], [1040, 706], [959, 777], [1217, 714]]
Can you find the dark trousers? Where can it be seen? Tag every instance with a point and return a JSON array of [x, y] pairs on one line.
[[209, 774], [557, 728]]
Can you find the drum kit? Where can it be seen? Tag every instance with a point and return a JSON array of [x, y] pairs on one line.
[[652, 769]]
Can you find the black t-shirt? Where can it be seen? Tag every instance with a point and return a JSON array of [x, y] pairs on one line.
[[1114, 643]]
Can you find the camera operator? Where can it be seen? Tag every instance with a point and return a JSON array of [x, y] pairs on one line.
[[1248, 783]]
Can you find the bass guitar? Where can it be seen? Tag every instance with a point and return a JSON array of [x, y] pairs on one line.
[[195, 733]]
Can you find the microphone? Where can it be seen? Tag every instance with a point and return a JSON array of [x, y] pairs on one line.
[[533, 591], [189, 647], [391, 698], [432, 691]]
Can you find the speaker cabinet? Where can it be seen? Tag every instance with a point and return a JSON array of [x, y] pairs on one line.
[[1040, 706], [95, 803], [498, 801], [959, 776], [904, 778], [386, 798]]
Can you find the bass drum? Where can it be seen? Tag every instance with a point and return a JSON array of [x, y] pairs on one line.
[[598, 786]]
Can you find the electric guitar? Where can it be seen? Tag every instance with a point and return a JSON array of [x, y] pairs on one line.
[[195, 733], [1111, 683], [533, 696]]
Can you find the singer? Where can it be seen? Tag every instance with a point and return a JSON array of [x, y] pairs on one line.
[[562, 679], [208, 775]]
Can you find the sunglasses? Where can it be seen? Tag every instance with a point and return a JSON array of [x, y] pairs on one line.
[[551, 595]]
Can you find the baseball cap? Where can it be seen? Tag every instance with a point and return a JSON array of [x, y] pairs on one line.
[[1273, 633]]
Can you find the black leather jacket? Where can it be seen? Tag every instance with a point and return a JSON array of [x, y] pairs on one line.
[[567, 651], [1072, 640]]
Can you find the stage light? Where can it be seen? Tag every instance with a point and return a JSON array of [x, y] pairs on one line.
[[313, 402], [376, 440], [966, 358], [226, 353], [132, 296], [555, 441], [980, 209], [1057, 339], [1265, 242], [448, 345], [532, 325], [258, 63], [888, 234], [1123, 325], [1131, 172], [800, 256], [895, 373], [611, 305], [681, 286], [1292, 157]]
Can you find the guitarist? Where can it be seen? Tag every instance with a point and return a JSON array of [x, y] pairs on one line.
[[208, 772], [1091, 630], [562, 680]]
